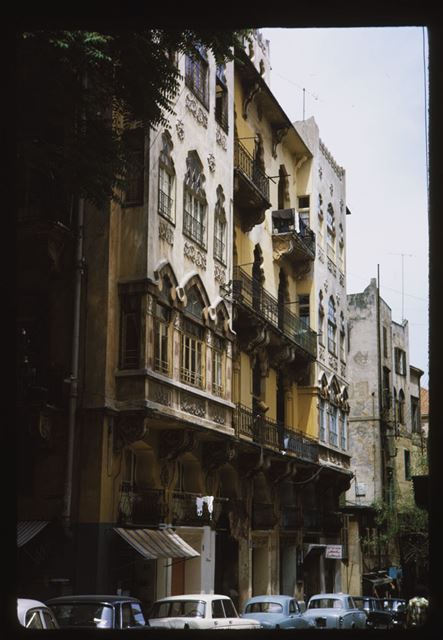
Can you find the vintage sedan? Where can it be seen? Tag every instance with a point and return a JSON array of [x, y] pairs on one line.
[[335, 611], [276, 612], [378, 618], [397, 608], [101, 612], [34, 614], [198, 611]]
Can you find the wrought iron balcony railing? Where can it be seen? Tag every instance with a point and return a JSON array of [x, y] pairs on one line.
[[274, 434], [244, 162], [249, 292]]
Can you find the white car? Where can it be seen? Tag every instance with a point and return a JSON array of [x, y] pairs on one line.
[[198, 611], [33, 614], [335, 611]]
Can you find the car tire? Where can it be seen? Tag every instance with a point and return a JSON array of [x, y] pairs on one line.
[[186, 626]]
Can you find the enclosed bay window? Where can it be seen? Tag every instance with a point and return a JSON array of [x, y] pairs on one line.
[[343, 431], [333, 426], [191, 354], [322, 420], [130, 316], [161, 339], [218, 349]]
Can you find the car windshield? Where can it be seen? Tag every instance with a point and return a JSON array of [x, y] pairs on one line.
[[394, 605], [361, 603], [264, 607], [178, 609], [325, 603], [83, 614]]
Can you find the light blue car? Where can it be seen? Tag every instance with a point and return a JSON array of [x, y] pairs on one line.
[[276, 612]]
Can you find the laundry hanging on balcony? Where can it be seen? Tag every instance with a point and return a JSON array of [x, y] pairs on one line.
[[201, 500]]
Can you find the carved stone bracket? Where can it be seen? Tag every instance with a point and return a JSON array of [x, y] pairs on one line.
[[281, 356], [250, 464], [281, 470], [130, 428], [277, 137], [215, 456], [259, 339], [250, 91], [175, 442]]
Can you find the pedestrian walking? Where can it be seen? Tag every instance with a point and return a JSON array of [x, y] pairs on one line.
[[417, 611]]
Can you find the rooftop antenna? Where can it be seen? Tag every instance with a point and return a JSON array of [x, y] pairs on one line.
[[304, 93], [408, 255]]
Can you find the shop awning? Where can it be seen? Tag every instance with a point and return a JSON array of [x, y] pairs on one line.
[[153, 544], [27, 529], [314, 547]]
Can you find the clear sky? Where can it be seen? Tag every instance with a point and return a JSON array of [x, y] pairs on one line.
[[366, 89]]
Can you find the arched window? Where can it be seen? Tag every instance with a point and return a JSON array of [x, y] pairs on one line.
[[162, 319], [342, 337], [192, 340], [220, 227], [332, 327], [401, 407], [166, 178], [195, 205]]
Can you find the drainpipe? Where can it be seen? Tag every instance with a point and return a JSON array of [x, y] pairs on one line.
[[73, 390]]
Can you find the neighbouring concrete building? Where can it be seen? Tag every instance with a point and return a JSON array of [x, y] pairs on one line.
[[384, 431]]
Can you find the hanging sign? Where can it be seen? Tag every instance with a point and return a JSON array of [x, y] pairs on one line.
[[333, 551]]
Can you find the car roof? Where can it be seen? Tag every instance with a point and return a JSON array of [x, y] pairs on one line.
[[195, 596], [111, 599], [331, 595], [29, 603], [268, 598]]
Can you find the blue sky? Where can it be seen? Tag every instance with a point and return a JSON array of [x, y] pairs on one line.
[[366, 89]]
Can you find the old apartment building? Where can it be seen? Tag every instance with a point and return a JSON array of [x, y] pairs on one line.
[[211, 439]]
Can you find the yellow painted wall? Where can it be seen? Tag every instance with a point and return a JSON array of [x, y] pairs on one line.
[[271, 394]]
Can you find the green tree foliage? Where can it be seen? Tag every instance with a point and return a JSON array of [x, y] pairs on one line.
[[76, 89]]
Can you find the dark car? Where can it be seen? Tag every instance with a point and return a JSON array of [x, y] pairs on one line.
[[378, 617], [397, 608], [103, 612]]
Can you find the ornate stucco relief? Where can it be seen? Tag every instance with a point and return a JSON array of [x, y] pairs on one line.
[[198, 113], [194, 255]]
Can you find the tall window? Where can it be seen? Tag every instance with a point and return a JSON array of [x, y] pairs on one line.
[[194, 219], [197, 73], [303, 210], [342, 338], [321, 318], [221, 97], [191, 370], [333, 426], [130, 332], [217, 365], [385, 342], [161, 339], [303, 308], [330, 227], [343, 431], [415, 415], [134, 141], [341, 247], [322, 420], [220, 227], [332, 327], [401, 407], [166, 175], [400, 361]]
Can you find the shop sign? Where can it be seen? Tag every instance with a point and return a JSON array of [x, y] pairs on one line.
[[334, 551]]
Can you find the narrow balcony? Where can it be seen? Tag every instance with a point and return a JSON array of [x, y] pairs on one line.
[[251, 187], [273, 434], [292, 238], [252, 299]]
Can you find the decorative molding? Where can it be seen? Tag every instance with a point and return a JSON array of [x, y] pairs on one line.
[[320, 173], [321, 254], [219, 274], [250, 91], [175, 442], [160, 393], [333, 362], [331, 189], [149, 304], [277, 137], [341, 278], [332, 268], [217, 414], [193, 405], [321, 353], [199, 114], [221, 139], [211, 162], [194, 255], [343, 369], [166, 233], [327, 154], [180, 128], [130, 428]]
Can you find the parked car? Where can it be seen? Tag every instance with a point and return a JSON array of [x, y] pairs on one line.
[[103, 612], [335, 611], [397, 608], [198, 611], [276, 612], [378, 617], [34, 614]]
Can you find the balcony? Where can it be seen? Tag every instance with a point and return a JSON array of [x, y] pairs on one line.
[[292, 238], [250, 297], [251, 186], [270, 433]]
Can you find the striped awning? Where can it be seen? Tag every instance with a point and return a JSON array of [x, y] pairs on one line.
[[27, 529], [153, 544]]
